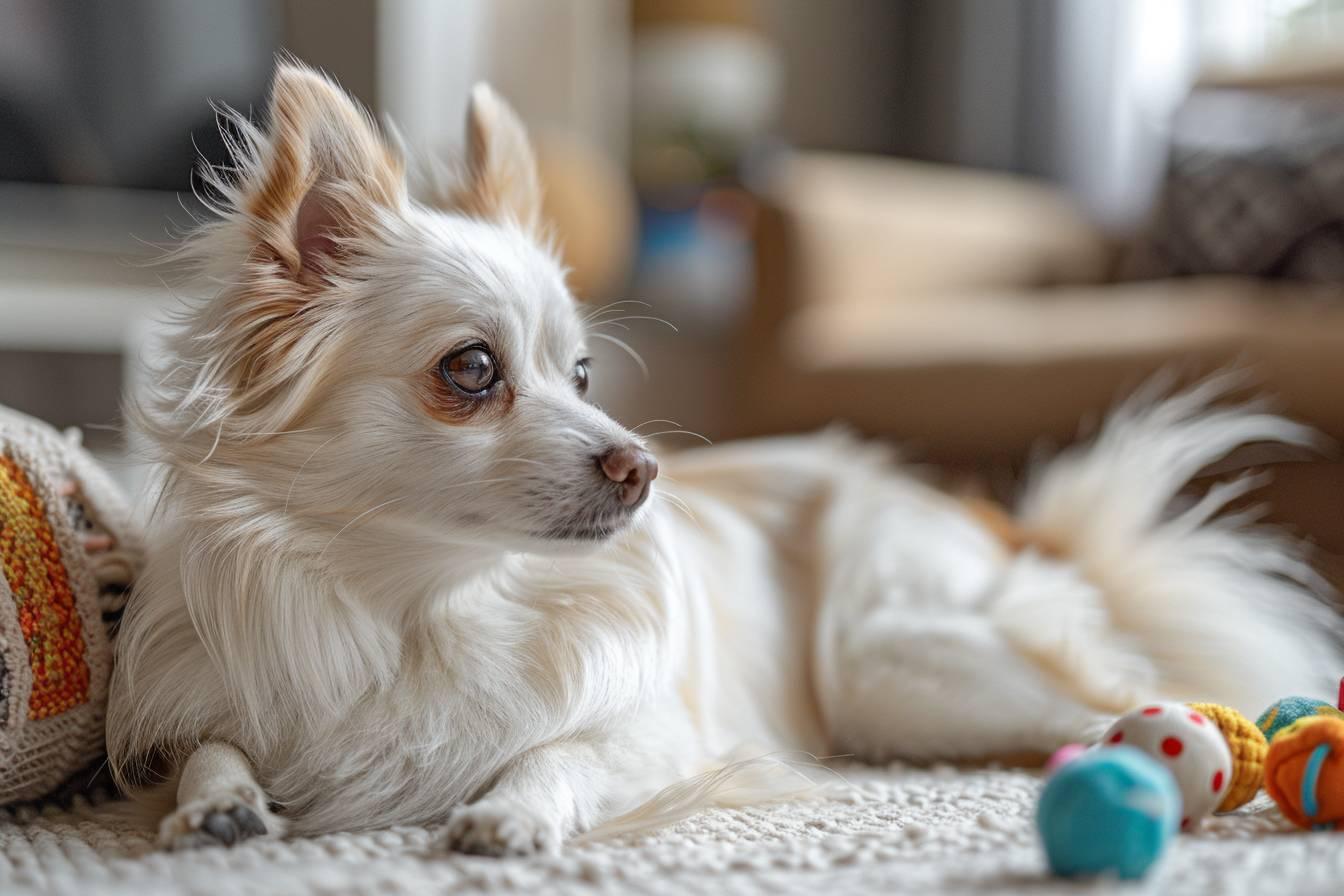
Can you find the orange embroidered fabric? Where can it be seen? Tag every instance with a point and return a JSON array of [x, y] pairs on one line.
[[32, 566]]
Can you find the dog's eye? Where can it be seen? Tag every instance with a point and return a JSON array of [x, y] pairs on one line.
[[472, 370], [581, 375]]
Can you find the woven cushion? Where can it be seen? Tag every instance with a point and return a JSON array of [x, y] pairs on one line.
[[57, 604]]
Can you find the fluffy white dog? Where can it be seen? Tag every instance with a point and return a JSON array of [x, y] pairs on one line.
[[402, 572]]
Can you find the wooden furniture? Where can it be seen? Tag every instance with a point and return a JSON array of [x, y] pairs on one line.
[[972, 317]]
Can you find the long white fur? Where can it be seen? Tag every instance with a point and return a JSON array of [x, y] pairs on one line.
[[1189, 594], [369, 603]]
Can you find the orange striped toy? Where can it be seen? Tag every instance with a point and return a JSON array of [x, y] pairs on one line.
[[1304, 772]]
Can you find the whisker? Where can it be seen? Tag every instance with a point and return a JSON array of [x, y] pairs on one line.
[[612, 307], [678, 432], [289, 494], [647, 422], [675, 499], [598, 311], [361, 516], [219, 434], [627, 349], [479, 482], [286, 432], [679, 505], [521, 460], [616, 320]]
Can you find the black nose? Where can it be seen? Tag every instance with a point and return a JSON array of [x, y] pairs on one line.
[[632, 469]]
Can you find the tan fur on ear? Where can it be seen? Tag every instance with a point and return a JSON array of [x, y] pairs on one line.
[[500, 182], [324, 148], [312, 183]]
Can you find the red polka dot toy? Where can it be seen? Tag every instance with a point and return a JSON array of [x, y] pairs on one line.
[[1188, 744]]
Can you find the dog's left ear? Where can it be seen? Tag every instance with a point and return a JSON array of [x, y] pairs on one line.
[[500, 182]]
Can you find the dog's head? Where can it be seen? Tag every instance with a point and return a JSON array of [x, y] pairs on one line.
[[372, 354]]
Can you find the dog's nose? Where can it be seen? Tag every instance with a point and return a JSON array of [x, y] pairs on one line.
[[632, 469]]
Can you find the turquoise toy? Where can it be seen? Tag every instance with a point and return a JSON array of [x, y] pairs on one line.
[[1285, 712], [1108, 812]]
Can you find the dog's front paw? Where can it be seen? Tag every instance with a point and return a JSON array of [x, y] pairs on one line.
[[221, 820], [499, 828]]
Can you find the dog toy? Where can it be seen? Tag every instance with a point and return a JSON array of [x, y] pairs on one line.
[[1188, 744], [1285, 712], [1304, 772], [1248, 747], [1063, 756], [1108, 812]]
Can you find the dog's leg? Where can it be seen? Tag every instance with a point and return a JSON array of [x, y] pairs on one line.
[[219, 802], [913, 659], [540, 798], [947, 686]]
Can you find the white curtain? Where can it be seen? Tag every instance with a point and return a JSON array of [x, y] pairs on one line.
[[1122, 68], [561, 63]]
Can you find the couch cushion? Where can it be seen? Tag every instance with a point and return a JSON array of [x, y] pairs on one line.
[[985, 375], [867, 228]]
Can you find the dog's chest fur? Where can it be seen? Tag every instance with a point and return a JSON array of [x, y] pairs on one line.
[[534, 652]]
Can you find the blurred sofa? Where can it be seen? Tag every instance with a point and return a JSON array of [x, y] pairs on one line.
[[973, 316]]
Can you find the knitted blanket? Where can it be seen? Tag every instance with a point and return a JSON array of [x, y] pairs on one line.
[[890, 831], [68, 554]]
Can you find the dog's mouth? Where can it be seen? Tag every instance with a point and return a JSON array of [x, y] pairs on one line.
[[581, 533], [586, 529], [596, 518]]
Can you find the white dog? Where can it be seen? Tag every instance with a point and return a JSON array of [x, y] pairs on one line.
[[402, 572]]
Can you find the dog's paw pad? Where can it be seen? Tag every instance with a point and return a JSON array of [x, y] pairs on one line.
[[221, 821], [493, 829], [236, 824]]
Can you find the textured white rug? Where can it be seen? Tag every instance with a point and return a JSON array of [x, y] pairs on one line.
[[888, 831]]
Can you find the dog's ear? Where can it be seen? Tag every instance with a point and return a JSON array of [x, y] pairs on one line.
[[500, 182], [323, 173]]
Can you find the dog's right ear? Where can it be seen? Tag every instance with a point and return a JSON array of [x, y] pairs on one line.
[[323, 172], [312, 185]]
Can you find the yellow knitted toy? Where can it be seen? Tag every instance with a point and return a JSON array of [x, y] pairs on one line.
[[1248, 746]]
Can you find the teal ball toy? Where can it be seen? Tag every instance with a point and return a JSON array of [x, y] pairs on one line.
[[1288, 710], [1110, 812]]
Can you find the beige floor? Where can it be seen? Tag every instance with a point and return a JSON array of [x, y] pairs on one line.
[[889, 831]]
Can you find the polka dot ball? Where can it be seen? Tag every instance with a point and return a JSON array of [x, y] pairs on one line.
[[1190, 746]]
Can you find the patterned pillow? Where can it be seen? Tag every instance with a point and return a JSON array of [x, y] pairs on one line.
[[1254, 187], [68, 554]]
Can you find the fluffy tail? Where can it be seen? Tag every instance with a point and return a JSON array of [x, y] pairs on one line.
[[732, 783], [1194, 602]]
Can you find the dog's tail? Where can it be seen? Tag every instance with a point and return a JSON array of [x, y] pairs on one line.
[[739, 779], [1197, 602]]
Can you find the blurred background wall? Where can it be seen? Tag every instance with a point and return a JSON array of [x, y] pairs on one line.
[[963, 224]]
